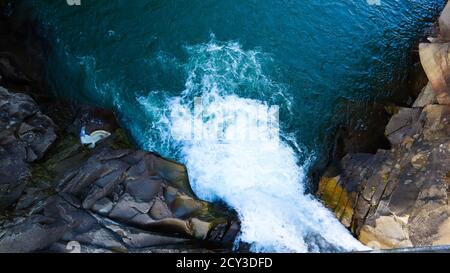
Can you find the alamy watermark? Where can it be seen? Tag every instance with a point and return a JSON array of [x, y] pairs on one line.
[[73, 2], [374, 2]]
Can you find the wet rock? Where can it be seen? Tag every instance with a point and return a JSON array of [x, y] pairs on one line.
[[139, 189], [26, 134], [103, 206], [200, 229], [33, 234], [107, 199], [183, 206], [132, 188], [30, 197], [144, 189], [126, 209], [160, 210]]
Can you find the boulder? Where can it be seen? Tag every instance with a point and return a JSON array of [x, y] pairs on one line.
[[139, 189], [403, 124], [25, 136], [388, 232], [436, 122], [34, 234], [435, 60], [444, 23], [114, 199]]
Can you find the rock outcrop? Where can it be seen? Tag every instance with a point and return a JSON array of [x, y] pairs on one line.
[[400, 197], [25, 135], [435, 60], [56, 193]]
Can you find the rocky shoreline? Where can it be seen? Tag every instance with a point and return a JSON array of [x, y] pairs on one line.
[[399, 197], [57, 195]]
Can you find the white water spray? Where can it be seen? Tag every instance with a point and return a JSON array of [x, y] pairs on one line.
[[255, 173]]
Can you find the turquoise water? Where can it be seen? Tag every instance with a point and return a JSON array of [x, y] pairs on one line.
[[150, 59]]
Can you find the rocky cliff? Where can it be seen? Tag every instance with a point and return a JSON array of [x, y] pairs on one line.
[[400, 197]]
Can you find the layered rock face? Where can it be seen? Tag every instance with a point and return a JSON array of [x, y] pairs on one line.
[[400, 197]]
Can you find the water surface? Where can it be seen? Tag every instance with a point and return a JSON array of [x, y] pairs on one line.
[[150, 59]]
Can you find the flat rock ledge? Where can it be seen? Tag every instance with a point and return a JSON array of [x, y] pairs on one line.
[[400, 197], [58, 196]]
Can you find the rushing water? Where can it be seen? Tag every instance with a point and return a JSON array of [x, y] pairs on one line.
[[245, 59]]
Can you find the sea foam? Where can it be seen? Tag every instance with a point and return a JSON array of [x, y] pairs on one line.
[[231, 154]]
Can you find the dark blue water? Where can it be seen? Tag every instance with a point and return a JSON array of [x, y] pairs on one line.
[[150, 59]]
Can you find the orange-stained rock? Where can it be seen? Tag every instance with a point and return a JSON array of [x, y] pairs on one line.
[[336, 198], [398, 197]]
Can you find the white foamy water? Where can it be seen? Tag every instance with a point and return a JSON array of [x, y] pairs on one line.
[[243, 163]]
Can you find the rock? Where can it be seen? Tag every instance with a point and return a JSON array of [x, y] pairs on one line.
[[127, 208], [26, 135], [31, 196], [389, 232], [444, 23], [160, 210], [402, 125], [138, 189], [399, 197], [135, 189], [144, 189], [94, 118], [419, 160], [361, 131], [107, 199], [200, 229], [435, 61], [103, 206], [443, 236], [426, 97], [332, 193], [436, 122], [33, 234]]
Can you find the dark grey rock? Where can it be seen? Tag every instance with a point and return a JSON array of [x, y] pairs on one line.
[[26, 134], [144, 189], [33, 234]]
